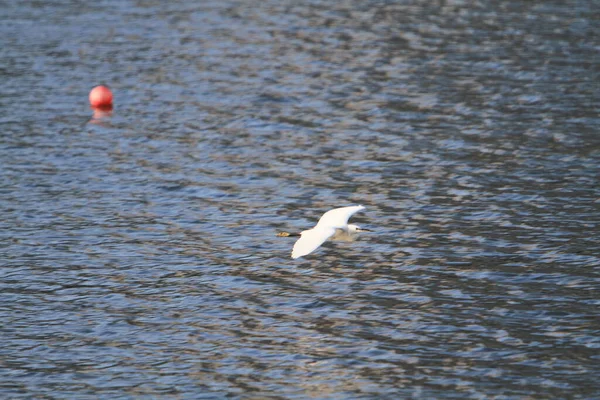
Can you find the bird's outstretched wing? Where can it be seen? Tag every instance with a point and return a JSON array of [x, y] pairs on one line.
[[338, 217], [311, 240]]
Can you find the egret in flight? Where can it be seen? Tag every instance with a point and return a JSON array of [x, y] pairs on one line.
[[332, 225]]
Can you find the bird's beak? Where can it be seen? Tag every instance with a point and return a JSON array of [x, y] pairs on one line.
[[364, 230]]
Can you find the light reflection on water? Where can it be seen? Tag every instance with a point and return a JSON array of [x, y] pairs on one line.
[[139, 256]]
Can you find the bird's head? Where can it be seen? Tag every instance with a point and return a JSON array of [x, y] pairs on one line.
[[357, 229]]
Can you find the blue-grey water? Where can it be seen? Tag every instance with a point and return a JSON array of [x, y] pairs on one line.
[[138, 256]]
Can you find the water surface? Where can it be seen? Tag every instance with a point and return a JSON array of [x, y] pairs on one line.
[[138, 248]]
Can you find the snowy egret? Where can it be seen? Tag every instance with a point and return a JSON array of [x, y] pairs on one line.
[[332, 225]]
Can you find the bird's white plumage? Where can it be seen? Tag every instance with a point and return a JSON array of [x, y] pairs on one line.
[[338, 217], [310, 240], [332, 224]]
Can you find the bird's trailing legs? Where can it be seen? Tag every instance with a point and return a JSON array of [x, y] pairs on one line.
[[287, 234]]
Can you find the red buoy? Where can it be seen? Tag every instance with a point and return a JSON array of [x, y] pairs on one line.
[[101, 97]]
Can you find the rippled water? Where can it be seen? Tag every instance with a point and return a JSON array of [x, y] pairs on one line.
[[139, 257]]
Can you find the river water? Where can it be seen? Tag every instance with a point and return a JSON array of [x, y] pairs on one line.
[[138, 256]]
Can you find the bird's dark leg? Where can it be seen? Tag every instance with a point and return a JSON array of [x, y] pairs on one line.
[[287, 234]]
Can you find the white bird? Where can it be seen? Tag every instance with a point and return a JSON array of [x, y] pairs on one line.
[[332, 225]]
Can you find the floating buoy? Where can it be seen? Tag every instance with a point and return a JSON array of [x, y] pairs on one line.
[[101, 97]]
